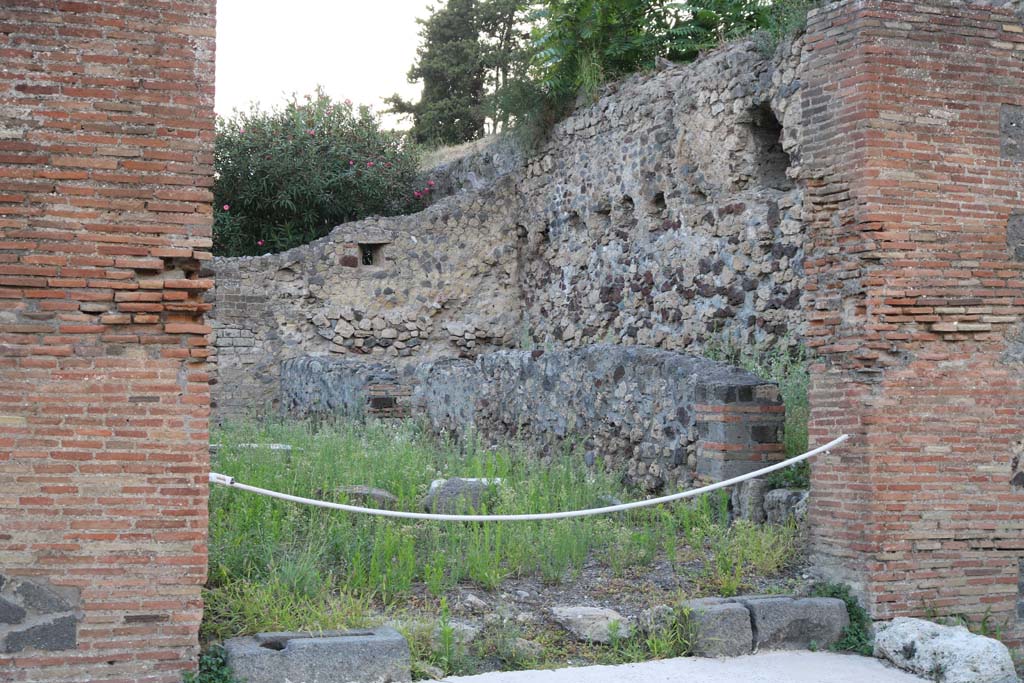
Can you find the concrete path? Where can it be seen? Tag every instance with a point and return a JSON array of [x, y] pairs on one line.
[[770, 667]]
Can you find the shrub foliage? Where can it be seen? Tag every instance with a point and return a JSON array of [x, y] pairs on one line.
[[287, 176]]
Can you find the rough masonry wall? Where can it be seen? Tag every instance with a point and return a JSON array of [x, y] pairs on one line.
[[667, 214], [106, 130], [441, 283], [915, 166], [631, 226], [655, 416]]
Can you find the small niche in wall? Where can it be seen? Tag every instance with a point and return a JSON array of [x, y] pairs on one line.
[[770, 160], [371, 253]]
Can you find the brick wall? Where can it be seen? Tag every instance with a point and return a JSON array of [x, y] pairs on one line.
[[916, 172], [106, 113]]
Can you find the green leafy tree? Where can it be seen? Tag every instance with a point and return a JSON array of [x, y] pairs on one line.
[[450, 63], [286, 177], [698, 25], [505, 48], [579, 44]]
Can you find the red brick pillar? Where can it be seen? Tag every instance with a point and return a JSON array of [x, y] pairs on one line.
[[914, 154], [106, 130]]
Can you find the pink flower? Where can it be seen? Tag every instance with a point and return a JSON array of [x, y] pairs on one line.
[[348, 103], [241, 131], [311, 131], [227, 207], [387, 165], [351, 163], [369, 164], [259, 243], [417, 194], [426, 190], [430, 183]]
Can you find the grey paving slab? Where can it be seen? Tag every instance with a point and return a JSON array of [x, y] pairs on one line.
[[769, 667]]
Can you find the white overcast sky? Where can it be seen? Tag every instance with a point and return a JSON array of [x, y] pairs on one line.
[[356, 49]]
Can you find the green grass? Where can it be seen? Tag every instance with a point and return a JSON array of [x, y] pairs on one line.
[[276, 565], [856, 636]]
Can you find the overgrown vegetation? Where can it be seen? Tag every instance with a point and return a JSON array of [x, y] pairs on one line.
[[277, 565], [857, 636], [286, 177], [213, 668], [526, 63]]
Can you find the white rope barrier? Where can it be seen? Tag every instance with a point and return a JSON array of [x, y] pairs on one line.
[[224, 480]]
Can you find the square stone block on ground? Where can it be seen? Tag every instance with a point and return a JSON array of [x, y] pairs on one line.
[[379, 655]]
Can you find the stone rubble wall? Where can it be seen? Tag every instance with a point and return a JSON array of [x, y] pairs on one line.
[[663, 215], [656, 416], [443, 284], [318, 385]]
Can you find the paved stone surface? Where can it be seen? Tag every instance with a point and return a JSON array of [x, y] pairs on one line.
[[924, 647], [377, 656], [771, 667]]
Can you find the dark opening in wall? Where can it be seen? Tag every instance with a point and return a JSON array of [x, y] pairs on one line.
[[371, 254], [770, 159]]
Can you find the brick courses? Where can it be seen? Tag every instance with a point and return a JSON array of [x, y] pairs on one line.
[[914, 303], [106, 129]]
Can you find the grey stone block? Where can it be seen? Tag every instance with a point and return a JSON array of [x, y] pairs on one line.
[[359, 494], [926, 648], [721, 628], [10, 613], [1011, 127], [781, 505], [592, 624], [457, 495], [748, 500], [59, 634], [716, 469], [1015, 235], [784, 623], [40, 599], [377, 656]]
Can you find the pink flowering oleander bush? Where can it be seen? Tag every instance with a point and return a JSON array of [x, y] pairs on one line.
[[286, 177]]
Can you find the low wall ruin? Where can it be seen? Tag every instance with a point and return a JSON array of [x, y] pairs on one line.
[[656, 417]]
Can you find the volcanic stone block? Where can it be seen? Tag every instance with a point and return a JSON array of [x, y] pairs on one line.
[[784, 623], [1015, 235], [40, 599], [722, 628], [1011, 127], [10, 613], [377, 656], [59, 634]]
